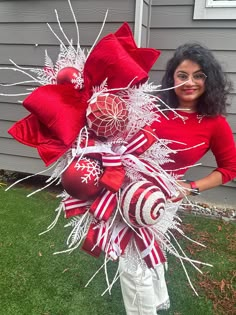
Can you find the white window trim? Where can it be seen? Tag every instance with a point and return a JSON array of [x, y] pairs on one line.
[[214, 10], [138, 22], [220, 4]]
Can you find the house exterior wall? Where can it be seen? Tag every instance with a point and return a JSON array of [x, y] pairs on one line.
[[172, 24], [24, 36]]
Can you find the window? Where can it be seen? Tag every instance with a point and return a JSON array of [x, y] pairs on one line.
[[214, 10], [220, 3]]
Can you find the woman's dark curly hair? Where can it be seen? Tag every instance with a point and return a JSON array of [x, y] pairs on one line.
[[217, 87]]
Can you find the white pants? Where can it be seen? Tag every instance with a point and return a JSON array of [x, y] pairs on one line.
[[144, 291]]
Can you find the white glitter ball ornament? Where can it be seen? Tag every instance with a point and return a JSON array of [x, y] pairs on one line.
[[142, 203]]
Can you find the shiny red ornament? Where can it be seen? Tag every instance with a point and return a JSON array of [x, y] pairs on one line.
[[142, 203], [81, 179], [107, 115], [69, 75]]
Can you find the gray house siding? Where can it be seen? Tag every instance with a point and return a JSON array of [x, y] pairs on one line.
[[172, 24], [24, 36]]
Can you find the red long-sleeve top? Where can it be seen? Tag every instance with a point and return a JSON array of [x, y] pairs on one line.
[[200, 133]]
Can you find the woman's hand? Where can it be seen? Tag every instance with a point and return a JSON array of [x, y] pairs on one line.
[[184, 190], [212, 180]]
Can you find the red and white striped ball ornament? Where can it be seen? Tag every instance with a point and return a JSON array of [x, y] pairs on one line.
[[107, 115], [142, 203]]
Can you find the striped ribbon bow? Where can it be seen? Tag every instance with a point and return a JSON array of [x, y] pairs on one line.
[[114, 172], [100, 238]]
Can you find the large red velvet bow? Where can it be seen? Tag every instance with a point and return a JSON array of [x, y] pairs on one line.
[[57, 116], [59, 112]]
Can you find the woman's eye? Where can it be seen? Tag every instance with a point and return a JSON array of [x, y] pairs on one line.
[[199, 76], [182, 76]]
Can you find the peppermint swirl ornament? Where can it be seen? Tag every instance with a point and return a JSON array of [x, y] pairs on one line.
[[142, 203], [107, 115]]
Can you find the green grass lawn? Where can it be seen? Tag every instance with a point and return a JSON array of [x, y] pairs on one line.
[[34, 281]]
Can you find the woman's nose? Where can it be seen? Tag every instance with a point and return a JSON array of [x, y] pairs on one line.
[[190, 81]]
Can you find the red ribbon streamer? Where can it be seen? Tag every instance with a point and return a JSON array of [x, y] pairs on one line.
[[149, 248], [91, 240]]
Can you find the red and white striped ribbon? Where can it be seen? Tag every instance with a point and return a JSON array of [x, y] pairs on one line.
[[119, 239], [136, 143], [111, 160], [104, 205], [73, 206], [103, 235], [149, 248], [113, 242]]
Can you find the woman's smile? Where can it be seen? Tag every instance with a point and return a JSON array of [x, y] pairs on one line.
[[189, 91]]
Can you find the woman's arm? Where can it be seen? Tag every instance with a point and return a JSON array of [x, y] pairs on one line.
[[210, 181], [223, 148]]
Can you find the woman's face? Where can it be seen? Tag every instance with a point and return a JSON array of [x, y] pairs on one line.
[[189, 92]]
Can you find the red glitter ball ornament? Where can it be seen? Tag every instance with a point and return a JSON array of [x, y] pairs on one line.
[[70, 75], [107, 115], [142, 203], [81, 179]]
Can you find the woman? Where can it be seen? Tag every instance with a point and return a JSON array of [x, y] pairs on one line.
[[196, 125]]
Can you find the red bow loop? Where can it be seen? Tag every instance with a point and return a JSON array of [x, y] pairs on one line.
[[99, 238], [141, 141], [104, 205], [73, 207], [114, 173]]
